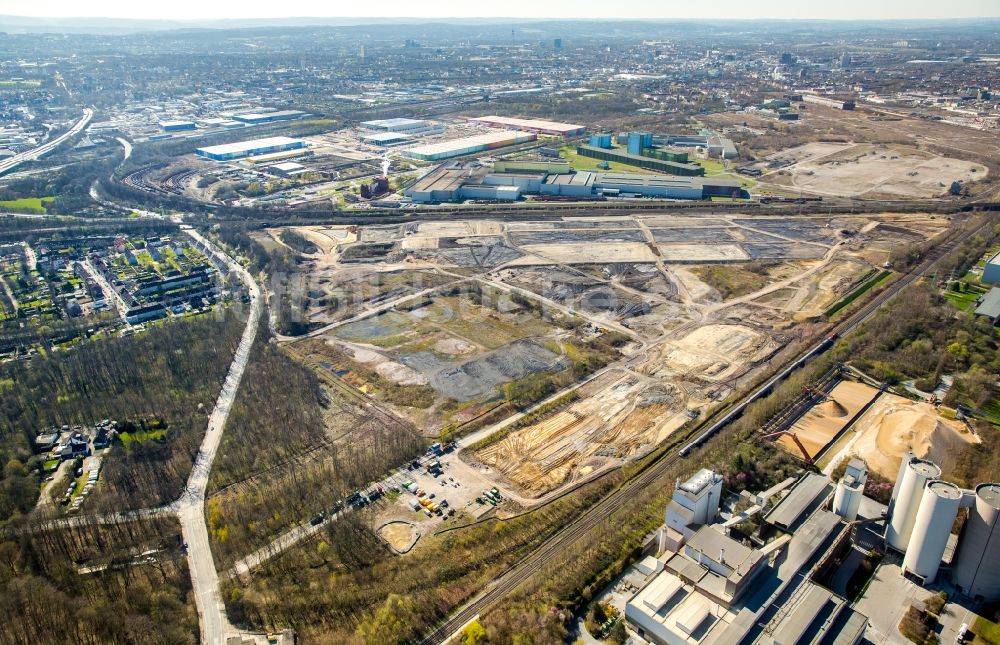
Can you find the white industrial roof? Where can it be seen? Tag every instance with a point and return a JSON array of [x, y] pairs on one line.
[[466, 142], [535, 124], [244, 146]]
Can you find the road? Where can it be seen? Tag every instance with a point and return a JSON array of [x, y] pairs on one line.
[[35, 153], [190, 507], [112, 295], [655, 470]]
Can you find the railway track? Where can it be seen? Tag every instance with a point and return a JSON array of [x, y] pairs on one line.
[[657, 468]]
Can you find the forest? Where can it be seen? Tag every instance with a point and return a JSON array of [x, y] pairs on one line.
[[97, 585], [172, 372]]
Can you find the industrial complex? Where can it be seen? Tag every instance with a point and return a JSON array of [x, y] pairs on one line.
[[508, 181], [714, 578], [468, 145]]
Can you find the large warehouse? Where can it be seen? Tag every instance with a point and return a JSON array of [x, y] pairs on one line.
[[532, 125], [467, 145], [241, 149], [253, 118], [397, 125]]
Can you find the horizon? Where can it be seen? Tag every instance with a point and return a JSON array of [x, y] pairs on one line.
[[189, 11]]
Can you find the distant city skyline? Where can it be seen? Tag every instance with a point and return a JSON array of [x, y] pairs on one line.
[[529, 9]]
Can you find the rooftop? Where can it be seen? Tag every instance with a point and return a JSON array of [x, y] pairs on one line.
[[534, 124], [989, 493], [990, 306], [253, 144], [803, 497]]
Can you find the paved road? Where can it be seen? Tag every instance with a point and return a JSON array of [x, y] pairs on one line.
[[191, 506], [35, 153]]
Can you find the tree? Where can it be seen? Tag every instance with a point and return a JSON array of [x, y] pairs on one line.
[[474, 633], [392, 623]]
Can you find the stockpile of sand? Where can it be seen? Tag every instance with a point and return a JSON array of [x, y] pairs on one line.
[[824, 421], [896, 425], [400, 536]]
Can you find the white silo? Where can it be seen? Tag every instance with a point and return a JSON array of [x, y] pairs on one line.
[[977, 562], [913, 475], [931, 528], [850, 489]]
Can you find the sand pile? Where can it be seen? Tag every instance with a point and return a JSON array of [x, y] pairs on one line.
[[400, 536], [895, 425], [832, 408]]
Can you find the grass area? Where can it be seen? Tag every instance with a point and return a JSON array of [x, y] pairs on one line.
[[130, 438], [50, 464], [863, 288], [579, 162], [732, 280], [26, 204], [987, 632], [962, 300]]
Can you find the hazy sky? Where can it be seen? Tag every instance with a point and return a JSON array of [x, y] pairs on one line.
[[214, 9]]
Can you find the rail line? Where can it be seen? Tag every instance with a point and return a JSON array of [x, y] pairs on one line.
[[658, 467]]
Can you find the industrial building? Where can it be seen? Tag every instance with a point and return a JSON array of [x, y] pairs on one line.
[[397, 125], [386, 139], [255, 118], [713, 588], [550, 166], [468, 145], [989, 307], [449, 181], [715, 146], [602, 140], [532, 125], [649, 163], [176, 126], [286, 169], [991, 272], [828, 101], [240, 149]]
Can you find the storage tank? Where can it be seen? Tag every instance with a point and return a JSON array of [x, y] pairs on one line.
[[635, 141], [847, 499], [600, 140], [931, 528], [913, 475], [977, 563]]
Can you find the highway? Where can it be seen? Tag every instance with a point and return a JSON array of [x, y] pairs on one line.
[[30, 155], [190, 507], [659, 467]]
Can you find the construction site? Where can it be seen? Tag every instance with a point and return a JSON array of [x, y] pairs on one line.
[[629, 327]]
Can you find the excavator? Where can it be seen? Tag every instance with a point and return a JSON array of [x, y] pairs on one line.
[[786, 433]]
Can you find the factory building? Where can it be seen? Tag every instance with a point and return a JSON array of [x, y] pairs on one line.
[[715, 589], [631, 159], [256, 118], [445, 183], [991, 272], [468, 145], [577, 184], [715, 147], [177, 126], [694, 503], [835, 103], [550, 166], [253, 147], [397, 125], [286, 169], [386, 139], [531, 125]]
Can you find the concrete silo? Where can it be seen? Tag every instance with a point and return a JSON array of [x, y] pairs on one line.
[[938, 508], [850, 490], [913, 475], [977, 563]]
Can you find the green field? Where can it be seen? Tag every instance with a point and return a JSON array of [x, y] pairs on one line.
[[857, 293], [962, 300], [26, 204], [987, 632]]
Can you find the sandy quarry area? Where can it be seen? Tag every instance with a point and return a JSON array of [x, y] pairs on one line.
[[712, 352], [702, 253], [625, 418], [895, 425], [872, 171], [585, 253], [818, 427]]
